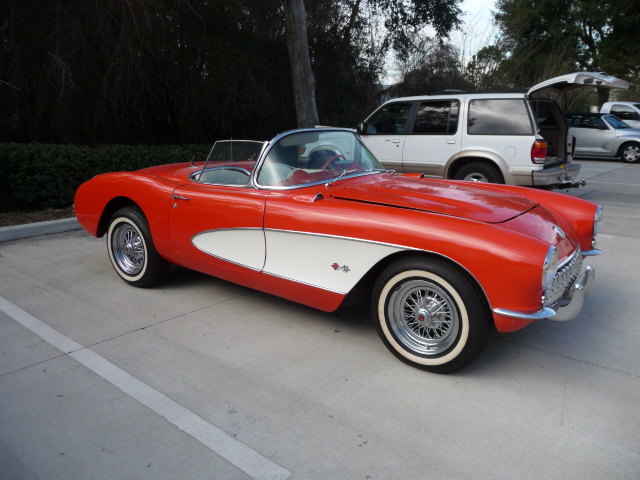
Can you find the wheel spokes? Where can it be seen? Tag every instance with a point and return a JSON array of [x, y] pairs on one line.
[[423, 317]]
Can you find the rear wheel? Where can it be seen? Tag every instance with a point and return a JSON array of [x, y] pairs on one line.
[[630, 152], [430, 315], [479, 172], [131, 250]]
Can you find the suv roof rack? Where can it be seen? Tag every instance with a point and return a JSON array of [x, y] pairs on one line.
[[448, 91]]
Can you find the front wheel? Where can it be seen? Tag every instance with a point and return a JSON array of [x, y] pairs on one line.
[[430, 315], [479, 172], [131, 250], [630, 152]]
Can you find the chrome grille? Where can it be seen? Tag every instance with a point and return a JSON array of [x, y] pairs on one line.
[[564, 279]]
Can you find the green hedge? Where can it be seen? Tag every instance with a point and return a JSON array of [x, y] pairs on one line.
[[41, 176]]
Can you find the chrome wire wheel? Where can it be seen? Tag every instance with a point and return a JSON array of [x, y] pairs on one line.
[[430, 314], [423, 317], [128, 249], [131, 250]]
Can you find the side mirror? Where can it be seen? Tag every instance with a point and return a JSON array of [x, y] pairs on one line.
[[361, 128]]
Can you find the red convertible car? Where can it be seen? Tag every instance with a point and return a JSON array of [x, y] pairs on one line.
[[311, 216]]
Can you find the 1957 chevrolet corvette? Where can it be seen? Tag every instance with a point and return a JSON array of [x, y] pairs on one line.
[[311, 216]]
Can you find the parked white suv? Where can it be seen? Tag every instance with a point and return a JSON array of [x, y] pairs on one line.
[[513, 138], [629, 112]]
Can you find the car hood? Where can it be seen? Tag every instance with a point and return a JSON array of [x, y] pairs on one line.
[[452, 198], [577, 80]]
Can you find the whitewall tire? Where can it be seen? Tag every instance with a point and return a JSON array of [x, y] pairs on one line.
[[430, 315], [131, 249]]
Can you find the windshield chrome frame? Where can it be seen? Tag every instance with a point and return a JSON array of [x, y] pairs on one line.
[[277, 138]]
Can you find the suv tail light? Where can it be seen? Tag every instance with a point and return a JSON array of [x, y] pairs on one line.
[[538, 151]]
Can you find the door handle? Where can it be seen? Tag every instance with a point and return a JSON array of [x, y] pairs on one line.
[[451, 142], [178, 197], [396, 140]]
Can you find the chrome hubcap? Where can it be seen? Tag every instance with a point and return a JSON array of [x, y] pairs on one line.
[[128, 249], [476, 177], [631, 153], [423, 317]]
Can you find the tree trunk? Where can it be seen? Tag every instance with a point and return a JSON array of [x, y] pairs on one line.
[[304, 83]]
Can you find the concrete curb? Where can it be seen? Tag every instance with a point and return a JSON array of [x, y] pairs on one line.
[[16, 232]]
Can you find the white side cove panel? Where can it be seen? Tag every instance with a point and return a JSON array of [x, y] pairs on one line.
[[242, 246], [331, 263]]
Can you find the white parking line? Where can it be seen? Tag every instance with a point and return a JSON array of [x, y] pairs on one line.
[[615, 183], [607, 202], [235, 452]]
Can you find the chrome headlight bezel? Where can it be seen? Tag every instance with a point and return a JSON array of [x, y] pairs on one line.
[[549, 267]]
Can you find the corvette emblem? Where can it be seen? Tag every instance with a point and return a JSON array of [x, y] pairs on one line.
[[559, 231], [343, 268]]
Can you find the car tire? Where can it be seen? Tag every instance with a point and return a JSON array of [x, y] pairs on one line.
[[479, 172], [441, 341], [131, 249], [630, 152]]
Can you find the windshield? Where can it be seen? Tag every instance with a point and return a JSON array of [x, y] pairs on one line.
[[315, 156], [230, 162], [235, 151], [615, 122]]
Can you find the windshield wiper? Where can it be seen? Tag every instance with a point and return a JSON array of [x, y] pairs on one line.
[[344, 172]]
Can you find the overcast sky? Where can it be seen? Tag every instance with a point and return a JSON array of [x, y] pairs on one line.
[[480, 9], [477, 20], [476, 32]]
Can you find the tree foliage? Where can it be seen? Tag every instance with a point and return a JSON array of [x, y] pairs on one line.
[[178, 71], [542, 38], [434, 65]]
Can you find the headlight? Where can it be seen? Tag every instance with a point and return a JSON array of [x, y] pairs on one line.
[[597, 221], [549, 267]]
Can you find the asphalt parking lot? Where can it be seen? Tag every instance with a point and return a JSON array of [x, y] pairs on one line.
[[202, 379]]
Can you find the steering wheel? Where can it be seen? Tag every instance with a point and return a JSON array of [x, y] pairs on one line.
[[331, 159]]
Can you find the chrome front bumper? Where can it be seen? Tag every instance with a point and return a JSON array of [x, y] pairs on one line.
[[565, 309], [570, 305]]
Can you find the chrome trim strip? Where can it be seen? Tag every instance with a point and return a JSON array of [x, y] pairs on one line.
[[404, 247], [317, 235], [541, 314], [591, 253], [228, 261], [303, 283], [312, 184], [230, 168]]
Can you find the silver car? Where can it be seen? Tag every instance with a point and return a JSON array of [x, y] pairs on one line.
[[600, 135]]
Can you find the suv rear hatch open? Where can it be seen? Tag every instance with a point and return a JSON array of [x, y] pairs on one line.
[[550, 121]]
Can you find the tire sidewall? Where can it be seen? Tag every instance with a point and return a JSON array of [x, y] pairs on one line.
[[123, 217], [474, 314], [382, 304], [624, 148], [491, 173]]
